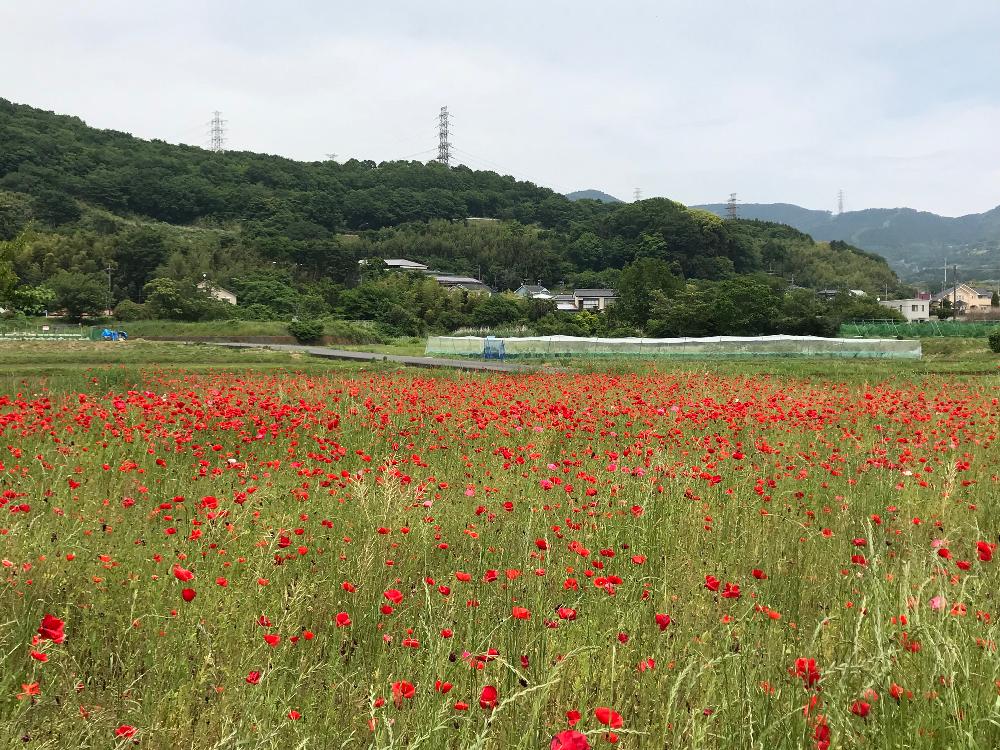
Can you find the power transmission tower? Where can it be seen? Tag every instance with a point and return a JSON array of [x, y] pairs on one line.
[[840, 202], [731, 206], [637, 194], [218, 133], [331, 157], [444, 147]]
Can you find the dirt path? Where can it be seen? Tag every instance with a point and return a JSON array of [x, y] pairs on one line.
[[326, 352]]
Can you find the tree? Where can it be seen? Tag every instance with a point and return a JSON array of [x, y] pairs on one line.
[[79, 294], [636, 286], [497, 310], [995, 300], [804, 314], [178, 300], [32, 300]]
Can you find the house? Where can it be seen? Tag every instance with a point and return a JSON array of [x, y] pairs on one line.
[[965, 298], [217, 292], [464, 283], [594, 299], [399, 264], [533, 291], [565, 302], [829, 294], [915, 310]]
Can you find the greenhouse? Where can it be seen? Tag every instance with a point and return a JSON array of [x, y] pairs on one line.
[[707, 347]]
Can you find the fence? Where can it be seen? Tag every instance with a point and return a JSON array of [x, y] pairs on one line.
[[41, 332], [709, 347]]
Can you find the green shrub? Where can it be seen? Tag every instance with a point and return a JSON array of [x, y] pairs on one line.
[[306, 331], [128, 311], [994, 340]]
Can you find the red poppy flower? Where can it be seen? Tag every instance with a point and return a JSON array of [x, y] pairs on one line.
[[125, 731], [520, 613], [806, 670], [608, 717], [662, 621], [188, 594], [861, 708], [343, 619], [488, 697], [394, 596], [252, 678], [712, 583], [573, 717], [570, 739], [402, 689], [52, 629]]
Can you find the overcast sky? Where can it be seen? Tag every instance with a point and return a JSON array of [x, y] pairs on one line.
[[897, 102]]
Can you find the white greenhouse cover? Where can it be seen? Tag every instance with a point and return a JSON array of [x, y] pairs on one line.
[[709, 346]]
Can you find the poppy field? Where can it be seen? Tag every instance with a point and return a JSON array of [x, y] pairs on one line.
[[393, 559]]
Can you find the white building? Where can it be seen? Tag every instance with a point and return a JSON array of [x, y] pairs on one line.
[[914, 310], [533, 291], [216, 291], [594, 299], [398, 264]]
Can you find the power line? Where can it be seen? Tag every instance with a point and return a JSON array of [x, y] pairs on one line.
[[218, 133], [444, 147], [482, 159]]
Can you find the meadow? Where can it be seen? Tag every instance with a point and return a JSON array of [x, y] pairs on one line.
[[214, 549]]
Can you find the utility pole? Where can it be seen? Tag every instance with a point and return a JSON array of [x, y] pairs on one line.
[[218, 133], [731, 206], [108, 269], [954, 291], [444, 146]]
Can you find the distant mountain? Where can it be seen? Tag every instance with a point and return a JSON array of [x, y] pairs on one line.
[[593, 195], [916, 243]]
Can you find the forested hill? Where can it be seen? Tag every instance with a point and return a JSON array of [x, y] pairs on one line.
[[44, 153], [592, 195], [916, 243], [78, 200]]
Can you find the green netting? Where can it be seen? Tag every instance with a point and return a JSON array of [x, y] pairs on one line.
[[709, 347], [930, 329]]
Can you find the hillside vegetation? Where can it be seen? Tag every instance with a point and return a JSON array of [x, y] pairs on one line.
[[916, 243], [80, 205]]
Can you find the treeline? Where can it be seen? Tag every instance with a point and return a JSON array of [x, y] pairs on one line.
[[91, 219]]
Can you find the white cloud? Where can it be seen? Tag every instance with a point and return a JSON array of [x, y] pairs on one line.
[[779, 100]]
